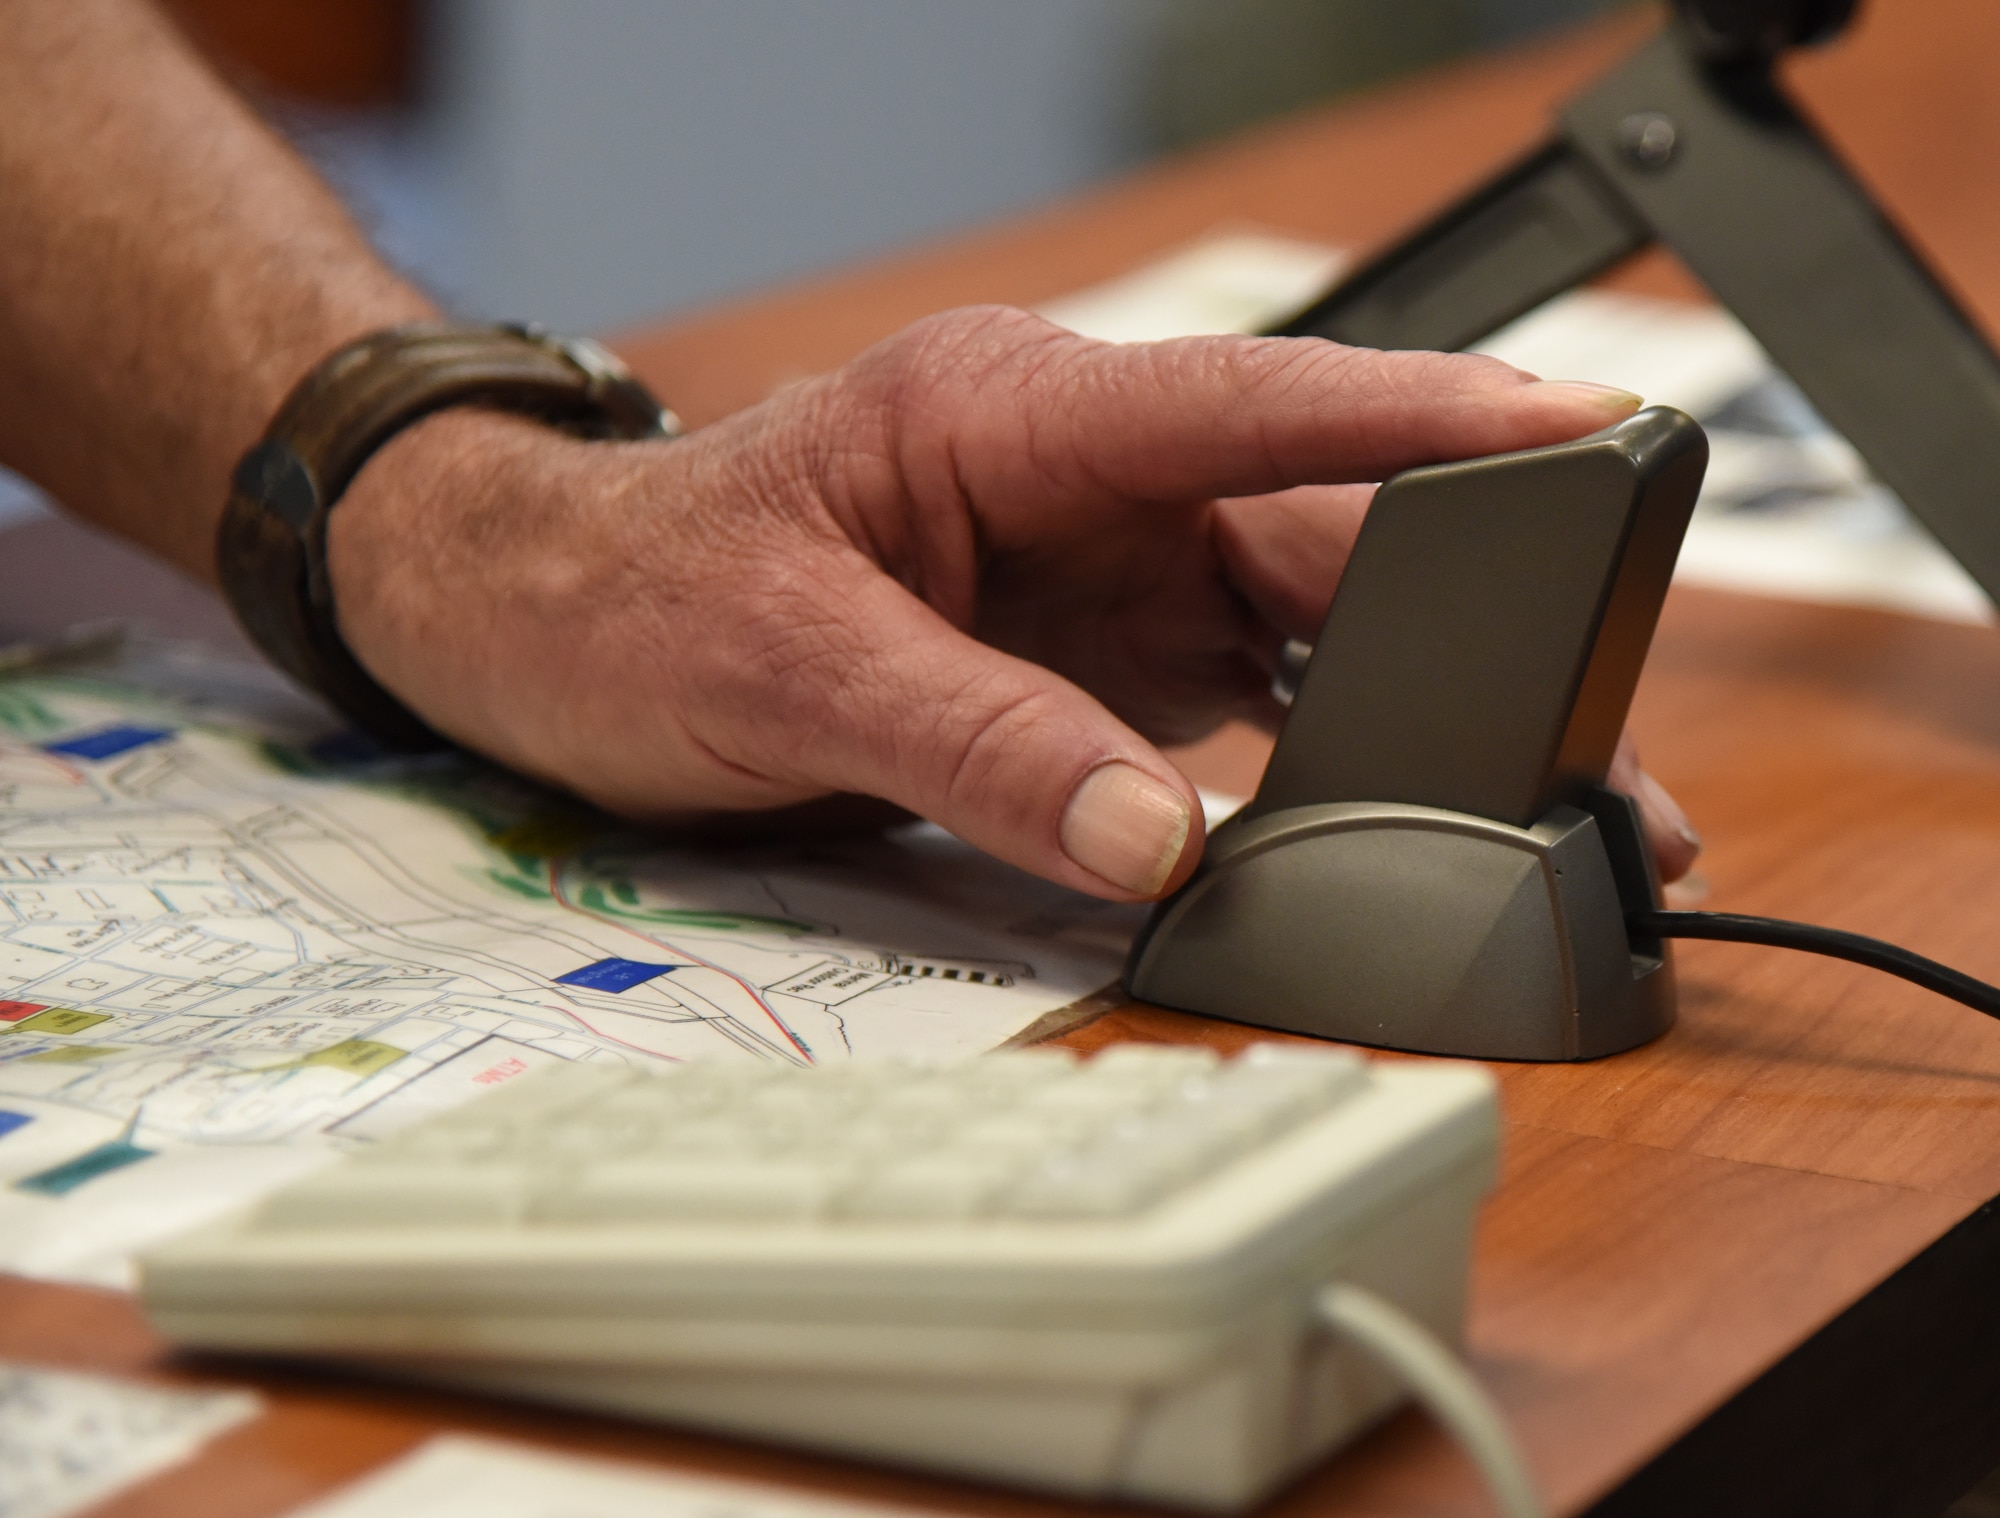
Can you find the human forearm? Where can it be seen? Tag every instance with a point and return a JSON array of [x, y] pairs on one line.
[[168, 269]]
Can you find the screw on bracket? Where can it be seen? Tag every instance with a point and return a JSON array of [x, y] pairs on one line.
[[1648, 138]]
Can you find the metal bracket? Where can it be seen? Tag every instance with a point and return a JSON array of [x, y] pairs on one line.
[[1697, 146]]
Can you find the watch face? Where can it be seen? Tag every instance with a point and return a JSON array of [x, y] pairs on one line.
[[629, 407]]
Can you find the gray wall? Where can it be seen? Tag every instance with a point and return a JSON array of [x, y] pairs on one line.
[[614, 158], [589, 162]]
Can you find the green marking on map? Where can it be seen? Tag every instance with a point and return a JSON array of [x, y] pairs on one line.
[[23, 713], [519, 885], [62, 1020], [58, 1180], [70, 1054], [357, 1056]]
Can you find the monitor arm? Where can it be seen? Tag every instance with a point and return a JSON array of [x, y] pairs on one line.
[[1691, 142]]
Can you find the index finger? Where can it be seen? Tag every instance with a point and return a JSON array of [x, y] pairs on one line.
[[1007, 402]]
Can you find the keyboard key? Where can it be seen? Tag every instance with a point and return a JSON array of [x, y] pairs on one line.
[[874, 1135], [1014, 1070], [804, 1098], [1156, 1063], [723, 1136], [1293, 1085], [1083, 1097], [926, 1098], [706, 1192], [1024, 1133], [445, 1142], [399, 1196], [1176, 1152], [945, 1187], [1084, 1189]]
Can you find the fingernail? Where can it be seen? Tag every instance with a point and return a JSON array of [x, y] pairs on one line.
[[1668, 810], [1607, 398], [1687, 893], [1125, 827]]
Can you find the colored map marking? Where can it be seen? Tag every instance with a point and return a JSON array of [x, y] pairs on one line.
[[58, 1180], [71, 1054], [9, 1121], [58, 1020], [356, 1056], [615, 975], [109, 742]]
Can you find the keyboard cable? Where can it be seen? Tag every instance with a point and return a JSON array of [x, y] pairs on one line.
[[1776, 933], [1436, 1377]]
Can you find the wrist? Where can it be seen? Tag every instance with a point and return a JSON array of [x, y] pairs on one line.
[[291, 489], [431, 519]]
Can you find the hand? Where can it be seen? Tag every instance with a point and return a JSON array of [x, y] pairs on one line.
[[979, 572]]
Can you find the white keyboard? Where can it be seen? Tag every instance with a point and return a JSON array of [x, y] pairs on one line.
[[1094, 1276]]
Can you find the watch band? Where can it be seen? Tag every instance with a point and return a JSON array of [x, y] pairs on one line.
[[271, 545]]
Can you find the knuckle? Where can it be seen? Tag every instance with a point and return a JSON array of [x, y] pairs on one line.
[[953, 353], [981, 738]]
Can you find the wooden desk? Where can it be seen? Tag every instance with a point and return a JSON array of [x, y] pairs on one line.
[[1749, 1269]]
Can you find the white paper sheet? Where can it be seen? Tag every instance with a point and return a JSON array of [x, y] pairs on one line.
[[1231, 282], [458, 1477], [69, 1441]]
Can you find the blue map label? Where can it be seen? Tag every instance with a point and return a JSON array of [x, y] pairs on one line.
[[109, 742], [615, 975]]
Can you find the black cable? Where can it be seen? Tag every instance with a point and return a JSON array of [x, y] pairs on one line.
[[1733, 927]]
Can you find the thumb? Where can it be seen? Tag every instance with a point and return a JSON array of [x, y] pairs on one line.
[[1005, 754]]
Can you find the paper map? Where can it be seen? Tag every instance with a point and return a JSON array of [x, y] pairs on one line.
[[458, 1477], [228, 949], [68, 1441]]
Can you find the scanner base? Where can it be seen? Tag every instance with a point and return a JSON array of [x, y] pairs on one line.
[[1412, 927]]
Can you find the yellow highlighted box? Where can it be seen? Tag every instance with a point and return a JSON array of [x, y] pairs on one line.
[[357, 1056], [69, 1054], [62, 1020]]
